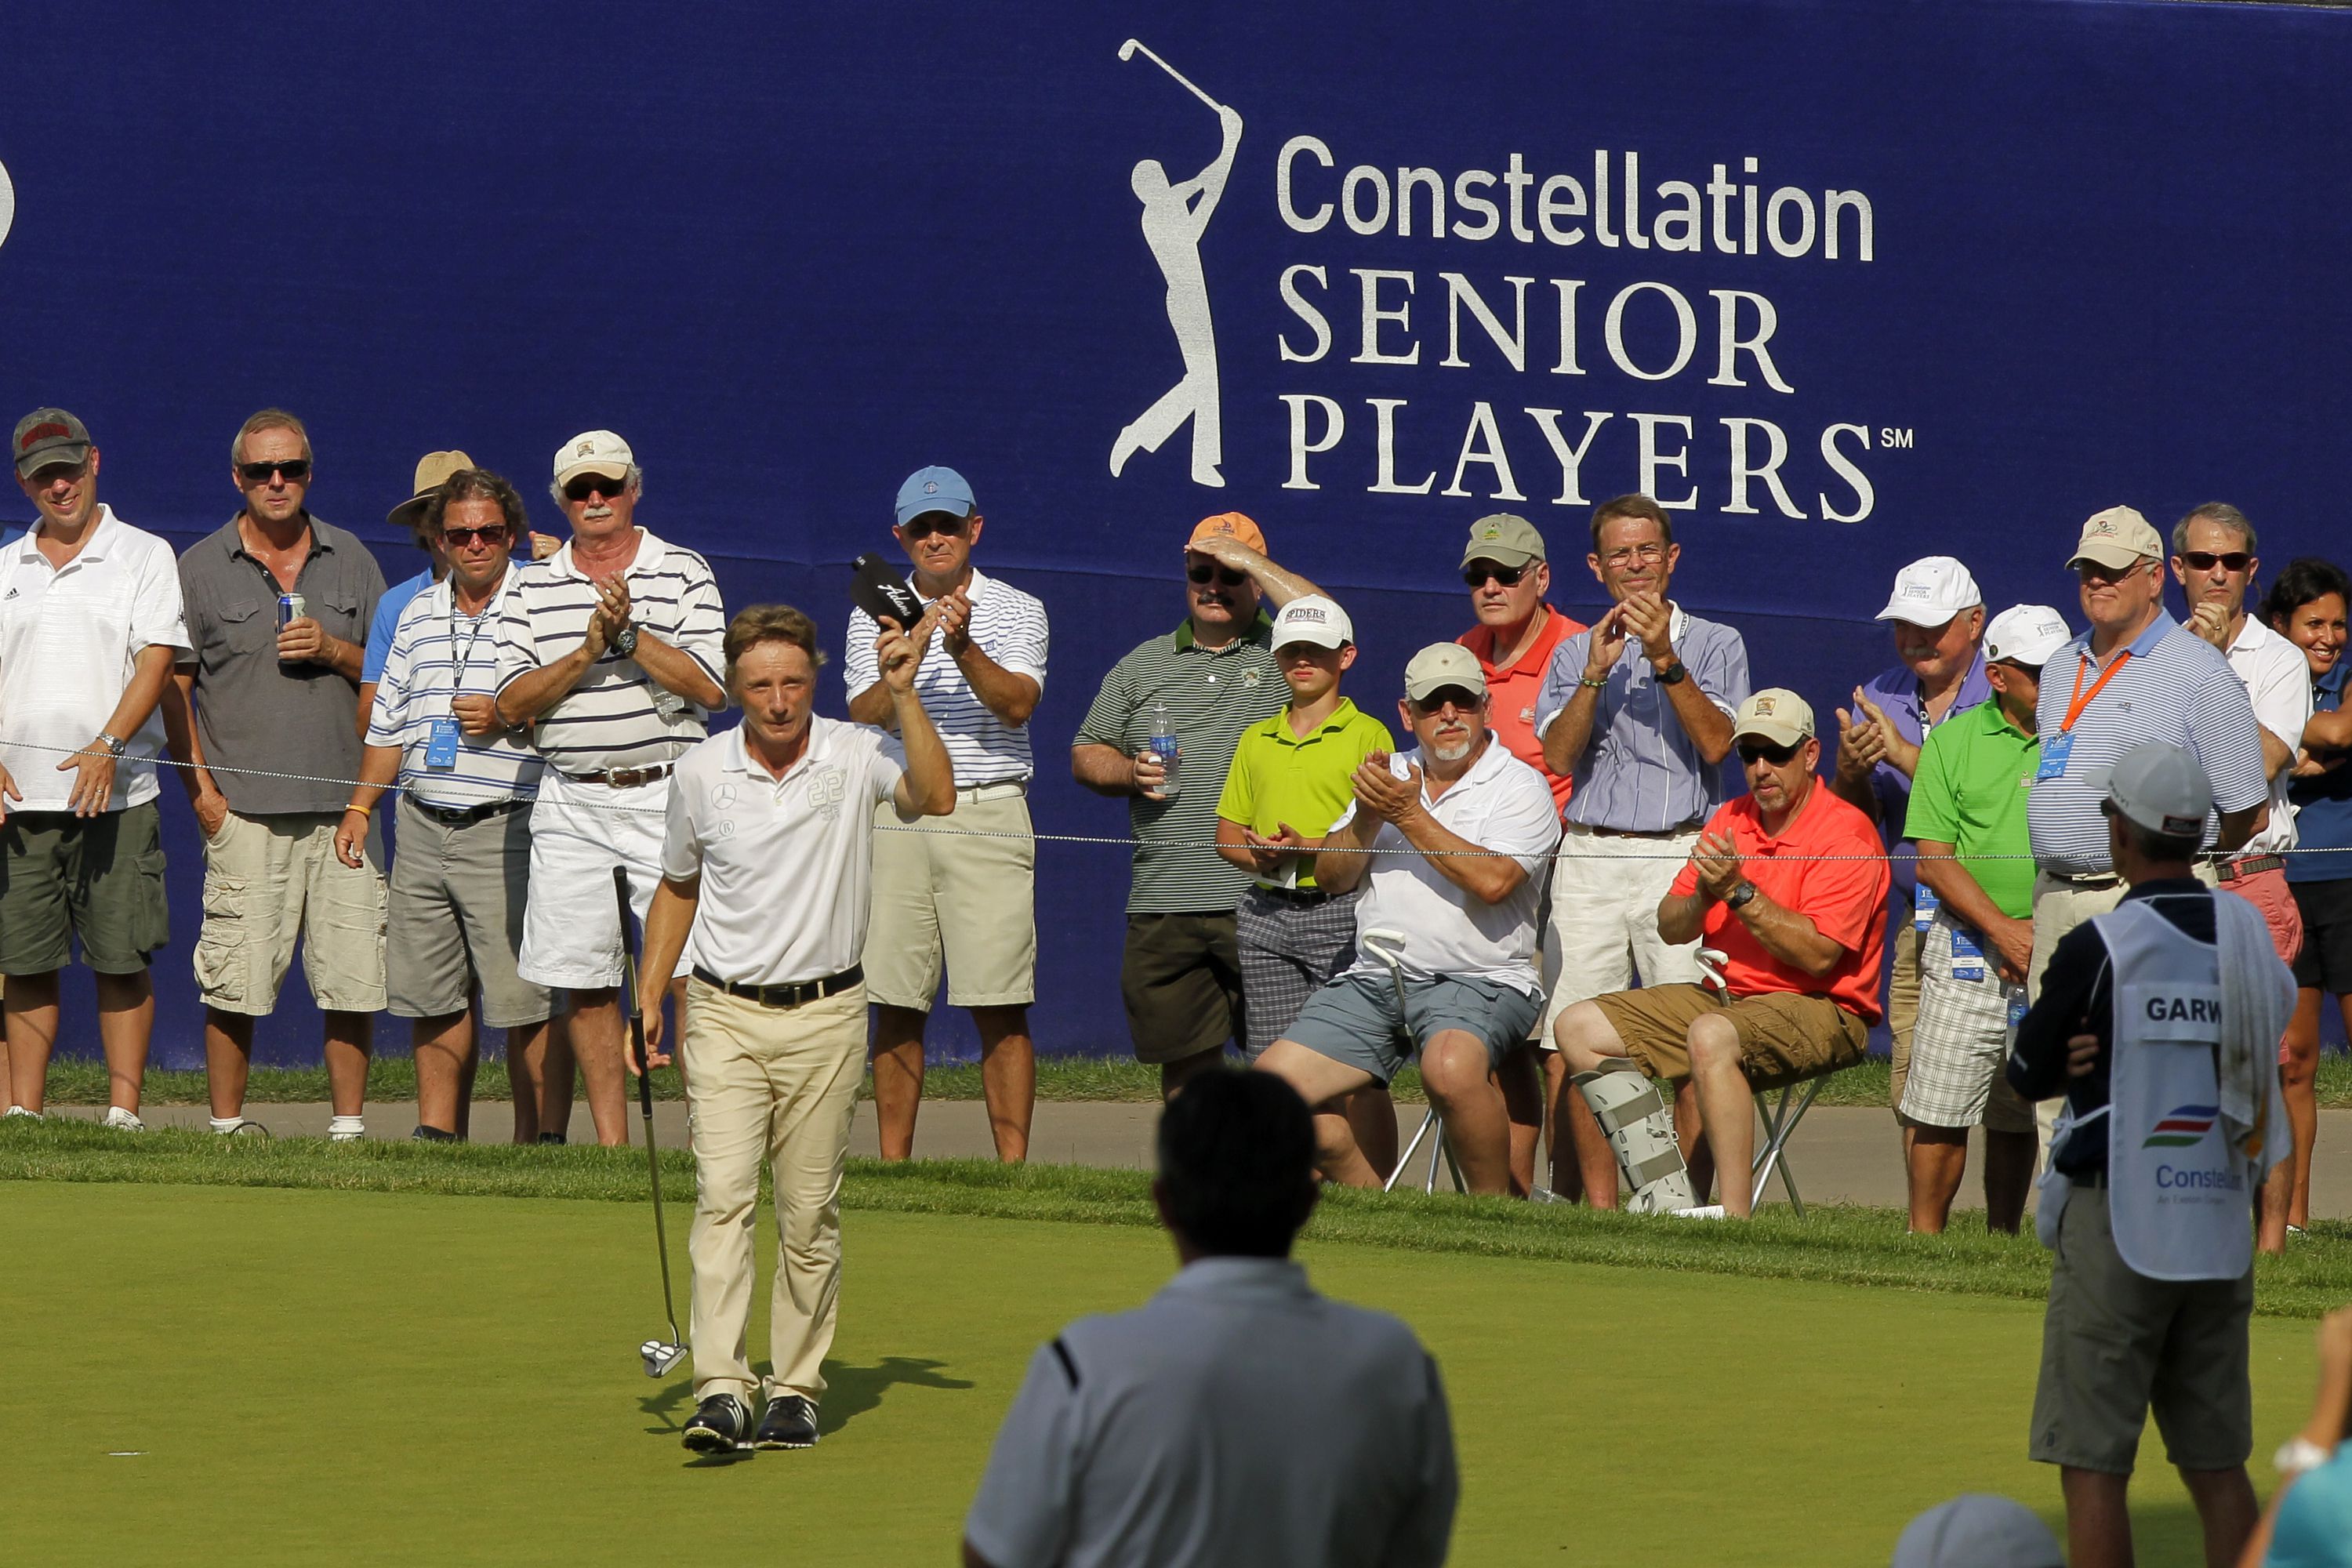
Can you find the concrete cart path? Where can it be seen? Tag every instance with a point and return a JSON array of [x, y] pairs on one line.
[[1841, 1154]]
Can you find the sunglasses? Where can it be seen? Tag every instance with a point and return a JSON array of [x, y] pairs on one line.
[[297, 471], [588, 485], [496, 533], [1227, 577], [1477, 572], [1750, 753], [2205, 560], [1464, 701], [923, 527]]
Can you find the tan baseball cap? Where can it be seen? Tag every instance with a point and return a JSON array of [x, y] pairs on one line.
[[598, 452], [1504, 537], [1441, 665], [2117, 537], [432, 470], [1227, 525], [1776, 714]]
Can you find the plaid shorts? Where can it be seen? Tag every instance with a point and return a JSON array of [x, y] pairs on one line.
[[1288, 950], [1960, 1045]]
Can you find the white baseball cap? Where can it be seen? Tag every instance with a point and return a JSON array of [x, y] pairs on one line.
[[1931, 591], [1312, 619], [1978, 1530], [2029, 634], [593, 452], [2162, 787]]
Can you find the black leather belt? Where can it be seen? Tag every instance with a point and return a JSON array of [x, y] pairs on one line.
[[796, 994], [623, 778], [454, 817], [2095, 881], [1293, 895], [2252, 866], [1636, 832]]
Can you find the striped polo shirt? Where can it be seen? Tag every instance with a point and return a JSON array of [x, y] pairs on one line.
[[1640, 771], [435, 654], [2175, 688], [1009, 626], [1212, 695], [618, 716]]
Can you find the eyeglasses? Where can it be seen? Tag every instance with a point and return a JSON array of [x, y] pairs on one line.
[[588, 485], [297, 471], [496, 533], [1751, 753], [1633, 552], [1463, 700], [2205, 560], [1225, 575], [1477, 572], [923, 527]]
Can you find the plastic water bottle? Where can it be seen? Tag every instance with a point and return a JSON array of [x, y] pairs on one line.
[[1163, 746], [2014, 995]]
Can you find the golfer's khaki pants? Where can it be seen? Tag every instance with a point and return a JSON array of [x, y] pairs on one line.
[[778, 1084]]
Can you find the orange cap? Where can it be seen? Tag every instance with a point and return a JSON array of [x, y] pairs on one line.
[[1228, 525]]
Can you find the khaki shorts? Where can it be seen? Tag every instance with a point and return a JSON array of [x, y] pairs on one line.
[[1182, 981], [1783, 1037], [96, 878], [270, 881], [456, 920], [2115, 1343], [1903, 1006], [944, 896]]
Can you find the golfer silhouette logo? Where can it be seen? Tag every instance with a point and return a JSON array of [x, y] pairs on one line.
[[1174, 219]]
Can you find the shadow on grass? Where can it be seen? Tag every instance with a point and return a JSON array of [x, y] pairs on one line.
[[852, 1391]]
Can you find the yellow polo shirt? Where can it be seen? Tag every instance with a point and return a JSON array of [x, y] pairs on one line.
[[1278, 776]]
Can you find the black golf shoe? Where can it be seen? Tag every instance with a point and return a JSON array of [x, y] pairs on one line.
[[789, 1423], [718, 1425]]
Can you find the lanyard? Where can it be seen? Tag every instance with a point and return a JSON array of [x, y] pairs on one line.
[[465, 656], [2080, 698]]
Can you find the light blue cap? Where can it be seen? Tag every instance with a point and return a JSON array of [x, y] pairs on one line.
[[934, 490]]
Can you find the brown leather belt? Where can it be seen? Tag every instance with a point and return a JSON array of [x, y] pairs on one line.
[[2252, 866], [799, 993], [623, 778]]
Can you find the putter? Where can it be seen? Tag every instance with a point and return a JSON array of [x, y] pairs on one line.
[[1388, 946], [659, 1355]]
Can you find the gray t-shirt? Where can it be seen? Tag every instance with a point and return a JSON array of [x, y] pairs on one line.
[[254, 712]]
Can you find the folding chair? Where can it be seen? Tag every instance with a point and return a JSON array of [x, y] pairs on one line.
[[1780, 1118], [1432, 1126]]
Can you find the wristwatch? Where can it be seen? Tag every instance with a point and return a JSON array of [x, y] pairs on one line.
[[1674, 674], [115, 745], [1740, 897], [625, 641]]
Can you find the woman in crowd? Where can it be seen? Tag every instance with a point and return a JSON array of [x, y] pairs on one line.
[[2307, 605]]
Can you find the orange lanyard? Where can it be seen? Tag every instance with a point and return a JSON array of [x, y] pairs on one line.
[[2080, 698]]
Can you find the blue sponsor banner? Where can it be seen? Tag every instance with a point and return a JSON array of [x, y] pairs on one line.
[[1842, 283]]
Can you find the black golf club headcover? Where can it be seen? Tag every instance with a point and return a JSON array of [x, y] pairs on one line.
[[880, 590]]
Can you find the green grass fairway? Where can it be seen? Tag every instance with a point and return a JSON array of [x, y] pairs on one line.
[[341, 1376]]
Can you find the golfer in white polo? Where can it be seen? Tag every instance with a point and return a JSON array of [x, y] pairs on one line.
[[768, 836]]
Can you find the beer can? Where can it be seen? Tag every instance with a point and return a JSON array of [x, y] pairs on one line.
[[290, 607]]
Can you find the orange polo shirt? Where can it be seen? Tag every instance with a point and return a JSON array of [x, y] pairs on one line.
[[1511, 713], [1845, 899]]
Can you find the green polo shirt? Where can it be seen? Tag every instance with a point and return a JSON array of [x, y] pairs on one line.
[[1212, 695], [1976, 775], [1279, 775]]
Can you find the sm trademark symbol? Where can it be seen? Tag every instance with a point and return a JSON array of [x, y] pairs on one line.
[[1892, 439]]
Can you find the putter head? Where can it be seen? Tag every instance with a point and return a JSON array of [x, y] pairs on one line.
[[660, 1356]]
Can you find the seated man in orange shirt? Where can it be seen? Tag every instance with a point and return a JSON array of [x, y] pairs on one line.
[[1801, 937]]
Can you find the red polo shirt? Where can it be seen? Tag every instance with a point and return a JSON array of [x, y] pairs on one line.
[[1845, 899], [1511, 712]]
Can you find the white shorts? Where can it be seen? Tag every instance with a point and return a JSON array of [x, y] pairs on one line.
[[1605, 889], [571, 924]]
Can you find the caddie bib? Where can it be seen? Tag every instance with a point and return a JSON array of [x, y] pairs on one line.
[[2177, 1192]]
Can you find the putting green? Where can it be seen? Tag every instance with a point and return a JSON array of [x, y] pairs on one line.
[[274, 1376]]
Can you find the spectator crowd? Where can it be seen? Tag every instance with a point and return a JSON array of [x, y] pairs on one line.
[[1564, 885]]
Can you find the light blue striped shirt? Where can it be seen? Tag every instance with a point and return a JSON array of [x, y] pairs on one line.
[[2176, 688], [1639, 772], [435, 655]]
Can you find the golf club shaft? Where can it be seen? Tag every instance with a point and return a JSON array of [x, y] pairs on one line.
[[1182, 80], [631, 1004]]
